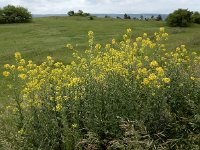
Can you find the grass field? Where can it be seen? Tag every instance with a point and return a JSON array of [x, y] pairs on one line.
[[48, 36], [132, 95]]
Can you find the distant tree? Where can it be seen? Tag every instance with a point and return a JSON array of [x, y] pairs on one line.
[[85, 14], [196, 17], [126, 16], [179, 18], [12, 14], [141, 17], [71, 13], [152, 17], [80, 13], [159, 18], [118, 17]]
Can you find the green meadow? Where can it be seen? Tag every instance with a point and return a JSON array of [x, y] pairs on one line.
[[49, 36], [141, 92]]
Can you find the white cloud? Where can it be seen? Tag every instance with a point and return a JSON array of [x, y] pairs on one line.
[[104, 6]]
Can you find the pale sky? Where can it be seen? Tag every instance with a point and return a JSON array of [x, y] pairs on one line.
[[104, 6]]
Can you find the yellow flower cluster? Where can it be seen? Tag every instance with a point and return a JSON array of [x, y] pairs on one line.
[[129, 59]]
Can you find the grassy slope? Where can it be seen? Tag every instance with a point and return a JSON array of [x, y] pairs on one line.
[[48, 36]]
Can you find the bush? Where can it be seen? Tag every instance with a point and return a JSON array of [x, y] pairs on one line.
[[126, 16], [131, 94], [196, 17], [2, 18], [179, 18], [12, 14], [159, 18], [91, 18], [71, 13]]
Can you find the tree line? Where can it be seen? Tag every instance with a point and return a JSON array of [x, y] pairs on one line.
[[179, 18]]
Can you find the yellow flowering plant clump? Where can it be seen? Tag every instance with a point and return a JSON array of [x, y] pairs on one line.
[[136, 78]]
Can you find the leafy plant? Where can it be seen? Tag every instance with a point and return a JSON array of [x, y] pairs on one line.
[[159, 18], [196, 17], [126, 16], [179, 18], [12, 14]]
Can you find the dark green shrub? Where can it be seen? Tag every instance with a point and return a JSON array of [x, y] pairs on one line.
[[152, 17], [159, 18], [179, 18], [12, 14], [2, 18], [80, 13], [71, 13], [91, 18], [196, 17], [126, 16]]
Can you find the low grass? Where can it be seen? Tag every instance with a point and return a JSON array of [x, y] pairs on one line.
[[48, 36]]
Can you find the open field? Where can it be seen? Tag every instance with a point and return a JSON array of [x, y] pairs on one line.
[[139, 92], [48, 36]]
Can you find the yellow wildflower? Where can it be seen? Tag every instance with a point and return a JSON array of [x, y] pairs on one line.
[[138, 39], [69, 46], [7, 66], [65, 97], [146, 58], [129, 30], [145, 81], [178, 49], [160, 70], [113, 41], [22, 61], [153, 64], [142, 71], [49, 58], [22, 76], [158, 86], [166, 80], [17, 56], [58, 107], [152, 76], [145, 35], [58, 98], [182, 46], [98, 46], [21, 131], [162, 29], [74, 125], [6, 73], [12, 67], [20, 68], [90, 34], [125, 36]]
